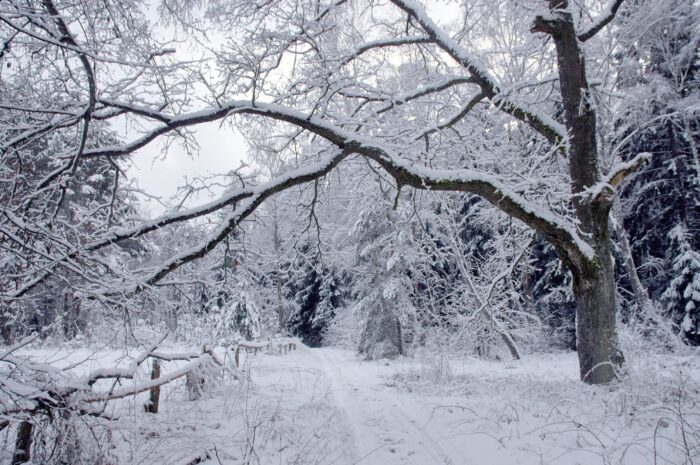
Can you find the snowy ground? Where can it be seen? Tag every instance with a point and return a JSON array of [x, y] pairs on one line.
[[324, 406], [465, 411]]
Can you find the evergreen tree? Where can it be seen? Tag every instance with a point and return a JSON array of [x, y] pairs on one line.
[[316, 293], [660, 206], [683, 292]]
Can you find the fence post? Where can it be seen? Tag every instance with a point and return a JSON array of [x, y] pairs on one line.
[[154, 398], [23, 444], [196, 379]]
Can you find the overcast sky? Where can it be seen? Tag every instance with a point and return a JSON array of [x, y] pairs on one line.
[[221, 150]]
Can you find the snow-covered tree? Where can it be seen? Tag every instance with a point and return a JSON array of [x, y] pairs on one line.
[[429, 105], [684, 289], [660, 205], [383, 287]]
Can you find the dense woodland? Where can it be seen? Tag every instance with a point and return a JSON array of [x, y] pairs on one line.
[[482, 178]]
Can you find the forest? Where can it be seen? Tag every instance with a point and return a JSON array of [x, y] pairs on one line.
[[443, 232]]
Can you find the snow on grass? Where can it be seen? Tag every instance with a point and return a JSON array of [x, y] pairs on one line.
[[325, 406], [278, 413], [537, 411]]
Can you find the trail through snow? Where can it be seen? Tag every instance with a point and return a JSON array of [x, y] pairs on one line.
[[380, 426]]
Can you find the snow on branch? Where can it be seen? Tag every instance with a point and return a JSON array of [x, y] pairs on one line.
[[26, 135], [620, 171], [25, 365], [385, 43], [606, 187], [257, 196], [18, 345], [553, 131], [138, 388], [68, 38], [230, 198], [175, 356], [605, 17], [195, 360], [558, 230], [173, 123], [36, 392], [453, 119], [129, 372], [423, 91]]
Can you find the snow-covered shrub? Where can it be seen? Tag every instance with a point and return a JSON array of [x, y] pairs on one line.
[[72, 439]]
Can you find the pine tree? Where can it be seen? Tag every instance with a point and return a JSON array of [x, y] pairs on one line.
[[683, 291], [316, 292], [330, 298]]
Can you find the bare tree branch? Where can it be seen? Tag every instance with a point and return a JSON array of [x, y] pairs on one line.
[[458, 116], [543, 124], [601, 21], [558, 230], [385, 43]]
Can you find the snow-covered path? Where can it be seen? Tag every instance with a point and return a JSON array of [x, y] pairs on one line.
[[383, 426], [376, 424]]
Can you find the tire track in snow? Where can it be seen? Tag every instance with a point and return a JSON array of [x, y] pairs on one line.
[[381, 428]]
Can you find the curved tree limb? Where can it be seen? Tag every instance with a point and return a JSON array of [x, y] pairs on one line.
[[551, 130], [559, 231], [385, 43], [603, 20]]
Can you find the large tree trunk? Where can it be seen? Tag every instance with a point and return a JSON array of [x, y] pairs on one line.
[[594, 278], [599, 354], [597, 343]]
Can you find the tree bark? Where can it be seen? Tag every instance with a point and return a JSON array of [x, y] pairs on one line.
[[596, 328], [593, 277]]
